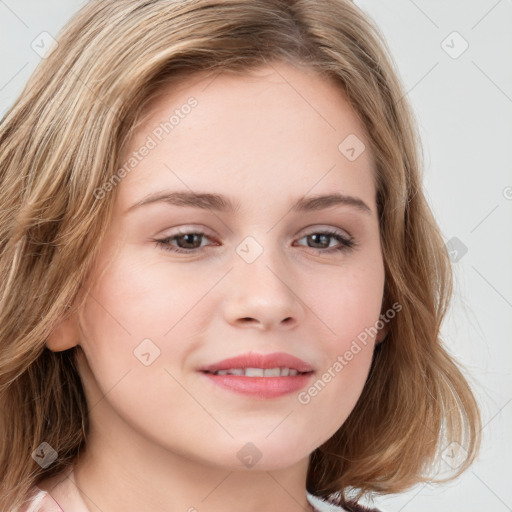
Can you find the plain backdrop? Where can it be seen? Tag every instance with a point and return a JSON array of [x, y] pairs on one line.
[[455, 60]]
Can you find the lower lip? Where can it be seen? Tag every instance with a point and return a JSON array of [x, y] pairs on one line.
[[261, 387]]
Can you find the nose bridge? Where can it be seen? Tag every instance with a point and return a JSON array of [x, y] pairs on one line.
[[261, 287], [261, 260]]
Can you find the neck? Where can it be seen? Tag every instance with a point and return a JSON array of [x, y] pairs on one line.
[[145, 479]]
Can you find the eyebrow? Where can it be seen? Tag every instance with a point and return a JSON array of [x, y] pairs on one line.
[[222, 203]]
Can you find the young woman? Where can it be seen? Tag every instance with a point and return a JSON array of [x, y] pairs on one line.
[[222, 286]]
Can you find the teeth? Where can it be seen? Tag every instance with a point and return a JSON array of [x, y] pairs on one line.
[[236, 371], [259, 372], [254, 372]]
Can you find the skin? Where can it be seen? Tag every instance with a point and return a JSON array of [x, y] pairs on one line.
[[164, 438]]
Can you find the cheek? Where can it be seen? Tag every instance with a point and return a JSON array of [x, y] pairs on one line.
[[347, 343], [347, 300], [138, 298], [123, 326], [348, 306]]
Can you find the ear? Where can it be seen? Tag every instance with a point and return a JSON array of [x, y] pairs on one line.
[[381, 335], [64, 335]]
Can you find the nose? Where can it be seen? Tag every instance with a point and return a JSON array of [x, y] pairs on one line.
[[263, 294]]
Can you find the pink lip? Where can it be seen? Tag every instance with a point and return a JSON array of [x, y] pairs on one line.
[[260, 387], [254, 360]]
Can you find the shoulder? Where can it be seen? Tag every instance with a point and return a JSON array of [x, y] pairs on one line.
[[39, 501]]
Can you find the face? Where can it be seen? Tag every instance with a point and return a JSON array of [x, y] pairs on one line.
[[178, 287]]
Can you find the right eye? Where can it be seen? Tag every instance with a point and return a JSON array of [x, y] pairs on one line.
[[184, 238]]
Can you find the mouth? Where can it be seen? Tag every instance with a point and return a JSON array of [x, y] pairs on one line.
[[252, 364], [259, 372], [259, 376]]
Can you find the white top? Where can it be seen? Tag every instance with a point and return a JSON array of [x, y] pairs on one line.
[[41, 502]]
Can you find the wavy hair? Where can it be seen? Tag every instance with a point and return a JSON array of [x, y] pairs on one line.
[[62, 139]]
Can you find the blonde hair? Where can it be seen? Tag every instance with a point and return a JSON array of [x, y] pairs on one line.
[[62, 140]]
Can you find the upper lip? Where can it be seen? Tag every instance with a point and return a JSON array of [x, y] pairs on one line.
[[254, 360]]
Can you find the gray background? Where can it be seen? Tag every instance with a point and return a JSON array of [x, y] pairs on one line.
[[464, 107]]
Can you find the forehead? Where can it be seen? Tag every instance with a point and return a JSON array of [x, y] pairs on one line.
[[276, 128]]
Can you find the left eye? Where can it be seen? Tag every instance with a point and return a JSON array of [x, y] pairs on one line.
[[345, 244], [191, 239]]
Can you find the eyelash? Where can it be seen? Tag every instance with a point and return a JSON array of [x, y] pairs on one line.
[[346, 245]]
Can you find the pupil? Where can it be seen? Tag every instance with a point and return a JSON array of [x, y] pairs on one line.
[[317, 236], [187, 239]]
